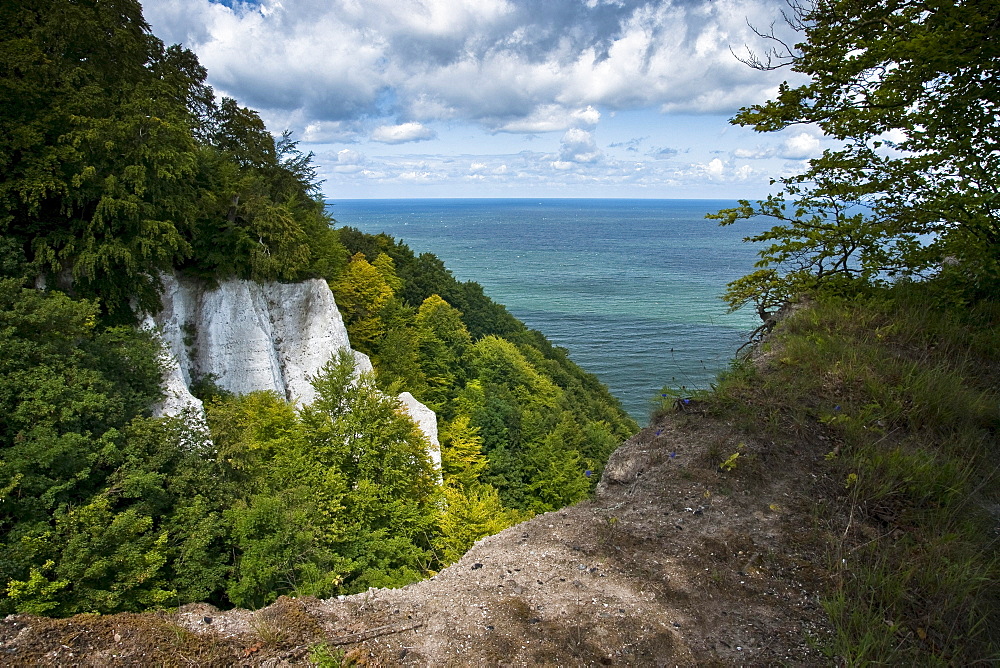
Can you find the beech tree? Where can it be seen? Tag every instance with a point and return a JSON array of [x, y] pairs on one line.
[[95, 145], [443, 342], [361, 291], [473, 509], [909, 89], [119, 164]]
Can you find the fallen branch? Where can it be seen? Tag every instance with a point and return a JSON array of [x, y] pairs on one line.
[[362, 636]]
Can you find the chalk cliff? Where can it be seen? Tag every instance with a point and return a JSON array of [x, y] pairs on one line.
[[251, 336]]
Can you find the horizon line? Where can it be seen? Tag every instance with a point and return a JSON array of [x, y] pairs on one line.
[[329, 200]]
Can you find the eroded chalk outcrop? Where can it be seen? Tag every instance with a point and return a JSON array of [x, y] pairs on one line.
[[246, 336]]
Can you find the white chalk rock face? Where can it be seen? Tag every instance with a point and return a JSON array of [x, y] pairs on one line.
[[426, 419], [250, 336]]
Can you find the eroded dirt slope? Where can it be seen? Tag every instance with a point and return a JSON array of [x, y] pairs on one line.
[[675, 562]]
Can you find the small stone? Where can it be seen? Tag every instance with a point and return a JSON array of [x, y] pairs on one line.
[[476, 566]]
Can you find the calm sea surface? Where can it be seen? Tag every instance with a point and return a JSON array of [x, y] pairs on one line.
[[630, 287]]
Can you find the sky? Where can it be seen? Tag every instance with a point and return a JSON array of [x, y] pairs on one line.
[[503, 98]]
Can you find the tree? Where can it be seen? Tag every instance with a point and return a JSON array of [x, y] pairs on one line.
[[443, 342], [473, 509], [462, 459], [150, 535], [361, 292], [911, 91], [67, 389], [397, 358], [118, 164], [96, 146], [558, 475], [392, 502]]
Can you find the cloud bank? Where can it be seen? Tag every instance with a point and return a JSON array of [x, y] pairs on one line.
[[343, 70]]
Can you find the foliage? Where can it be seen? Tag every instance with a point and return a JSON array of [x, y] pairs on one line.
[[910, 91], [68, 388], [362, 291], [900, 380], [473, 509], [94, 145], [322, 656], [442, 344], [425, 275], [148, 536], [336, 497], [118, 163], [260, 213]]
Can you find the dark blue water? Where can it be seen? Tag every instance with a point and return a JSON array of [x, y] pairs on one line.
[[630, 287]]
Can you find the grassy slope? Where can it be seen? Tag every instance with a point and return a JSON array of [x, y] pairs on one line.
[[905, 394]]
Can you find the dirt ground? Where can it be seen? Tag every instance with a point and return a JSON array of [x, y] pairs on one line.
[[674, 562]]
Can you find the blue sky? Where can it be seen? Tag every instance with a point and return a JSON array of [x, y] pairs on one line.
[[503, 98]]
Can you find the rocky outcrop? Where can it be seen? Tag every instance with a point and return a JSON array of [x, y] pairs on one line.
[[426, 419], [246, 336]]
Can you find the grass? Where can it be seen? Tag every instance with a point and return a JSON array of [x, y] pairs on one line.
[[322, 655], [905, 391]]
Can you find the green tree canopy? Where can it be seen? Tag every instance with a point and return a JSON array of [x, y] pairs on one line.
[[119, 164], [362, 291], [911, 90], [95, 144]]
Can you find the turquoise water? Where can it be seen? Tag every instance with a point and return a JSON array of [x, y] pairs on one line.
[[630, 287]]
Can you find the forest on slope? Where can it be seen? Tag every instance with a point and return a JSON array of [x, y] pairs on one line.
[[119, 163]]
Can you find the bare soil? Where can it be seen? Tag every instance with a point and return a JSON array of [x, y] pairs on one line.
[[674, 562]]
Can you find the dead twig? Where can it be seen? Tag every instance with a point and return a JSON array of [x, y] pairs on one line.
[[362, 636]]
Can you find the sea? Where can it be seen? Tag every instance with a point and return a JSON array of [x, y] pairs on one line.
[[630, 287]]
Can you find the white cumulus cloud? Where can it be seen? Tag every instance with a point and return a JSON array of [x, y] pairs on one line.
[[347, 161], [488, 79], [403, 133], [578, 146], [349, 157], [553, 118], [801, 147], [758, 153]]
